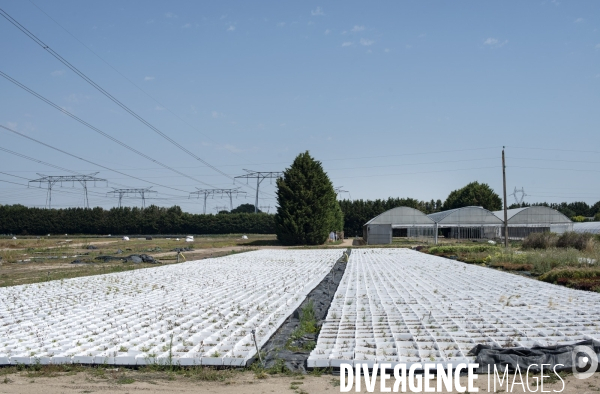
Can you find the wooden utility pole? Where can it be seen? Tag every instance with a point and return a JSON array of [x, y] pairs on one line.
[[505, 208]]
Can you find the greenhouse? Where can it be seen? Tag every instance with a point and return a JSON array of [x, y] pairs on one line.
[[467, 223], [413, 222], [536, 219], [589, 227]]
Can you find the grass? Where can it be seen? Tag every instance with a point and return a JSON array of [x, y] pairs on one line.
[[307, 325], [454, 249], [586, 278]]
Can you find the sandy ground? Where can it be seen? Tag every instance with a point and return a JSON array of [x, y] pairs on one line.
[[242, 383]]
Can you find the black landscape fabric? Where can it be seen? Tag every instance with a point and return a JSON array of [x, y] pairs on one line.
[[560, 356]]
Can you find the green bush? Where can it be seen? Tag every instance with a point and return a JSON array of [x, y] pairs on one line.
[[445, 249], [579, 241], [571, 273], [540, 240]]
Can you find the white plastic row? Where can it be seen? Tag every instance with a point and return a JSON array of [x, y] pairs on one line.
[[402, 306], [199, 312]]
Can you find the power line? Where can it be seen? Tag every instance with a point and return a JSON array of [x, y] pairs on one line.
[[97, 130], [135, 192], [51, 180], [105, 93], [259, 176], [86, 160]]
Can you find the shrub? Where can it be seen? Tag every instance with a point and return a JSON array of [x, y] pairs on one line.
[[579, 241], [540, 240], [462, 249]]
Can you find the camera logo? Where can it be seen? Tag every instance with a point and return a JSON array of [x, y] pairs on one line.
[[585, 362]]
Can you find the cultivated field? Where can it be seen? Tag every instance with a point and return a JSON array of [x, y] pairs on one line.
[[399, 305], [194, 313]]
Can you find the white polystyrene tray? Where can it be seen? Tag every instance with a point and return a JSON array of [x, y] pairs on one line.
[[402, 306], [208, 306]]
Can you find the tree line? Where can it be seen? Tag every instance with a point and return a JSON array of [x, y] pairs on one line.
[[18, 219]]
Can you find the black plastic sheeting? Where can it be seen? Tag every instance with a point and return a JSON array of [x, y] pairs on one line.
[[321, 296], [561, 356]]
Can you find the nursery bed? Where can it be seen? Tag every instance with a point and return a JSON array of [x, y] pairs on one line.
[[194, 313], [402, 306]]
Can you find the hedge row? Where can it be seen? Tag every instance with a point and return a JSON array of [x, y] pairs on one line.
[[18, 219]]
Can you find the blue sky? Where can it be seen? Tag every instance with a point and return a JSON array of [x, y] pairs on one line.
[[401, 99]]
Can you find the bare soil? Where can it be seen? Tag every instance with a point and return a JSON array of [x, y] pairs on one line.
[[128, 381]]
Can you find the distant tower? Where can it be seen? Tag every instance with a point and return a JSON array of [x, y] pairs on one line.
[[519, 195]]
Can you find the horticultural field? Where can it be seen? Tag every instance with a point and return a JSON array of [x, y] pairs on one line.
[[399, 305], [194, 313]]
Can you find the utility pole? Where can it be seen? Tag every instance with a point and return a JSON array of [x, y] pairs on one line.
[[339, 190], [51, 180], [260, 176], [135, 192], [505, 208]]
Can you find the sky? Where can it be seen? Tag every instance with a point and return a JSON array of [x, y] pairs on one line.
[[396, 99]]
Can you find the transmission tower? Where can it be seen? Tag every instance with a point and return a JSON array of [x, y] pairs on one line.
[[259, 176], [135, 192], [267, 207], [212, 192], [339, 190], [519, 200], [51, 180], [220, 208]]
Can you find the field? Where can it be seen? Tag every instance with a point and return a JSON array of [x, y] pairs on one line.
[[398, 305], [32, 260], [194, 313]]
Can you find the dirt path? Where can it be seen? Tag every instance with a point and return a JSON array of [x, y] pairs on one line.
[[240, 383]]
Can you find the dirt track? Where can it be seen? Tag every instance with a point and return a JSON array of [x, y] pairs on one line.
[[240, 383]]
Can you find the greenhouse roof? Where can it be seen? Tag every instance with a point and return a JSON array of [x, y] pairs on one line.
[[533, 216], [468, 216], [402, 217], [588, 227]]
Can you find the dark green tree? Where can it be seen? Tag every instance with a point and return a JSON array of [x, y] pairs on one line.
[[307, 204], [244, 208], [474, 194]]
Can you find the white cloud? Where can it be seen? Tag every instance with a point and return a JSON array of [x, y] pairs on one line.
[[365, 42], [281, 24], [579, 20], [422, 35], [159, 108], [11, 125], [369, 51], [149, 21], [495, 43], [170, 15], [186, 26], [317, 12], [347, 44], [327, 31], [57, 73], [231, 28], [148, 78], [358, 28], [216, 114], [597, 46], [387, 50], [193, 109], [408, 46]]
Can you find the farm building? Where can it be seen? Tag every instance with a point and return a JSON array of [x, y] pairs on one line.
[[463, 223], [536, 219]]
